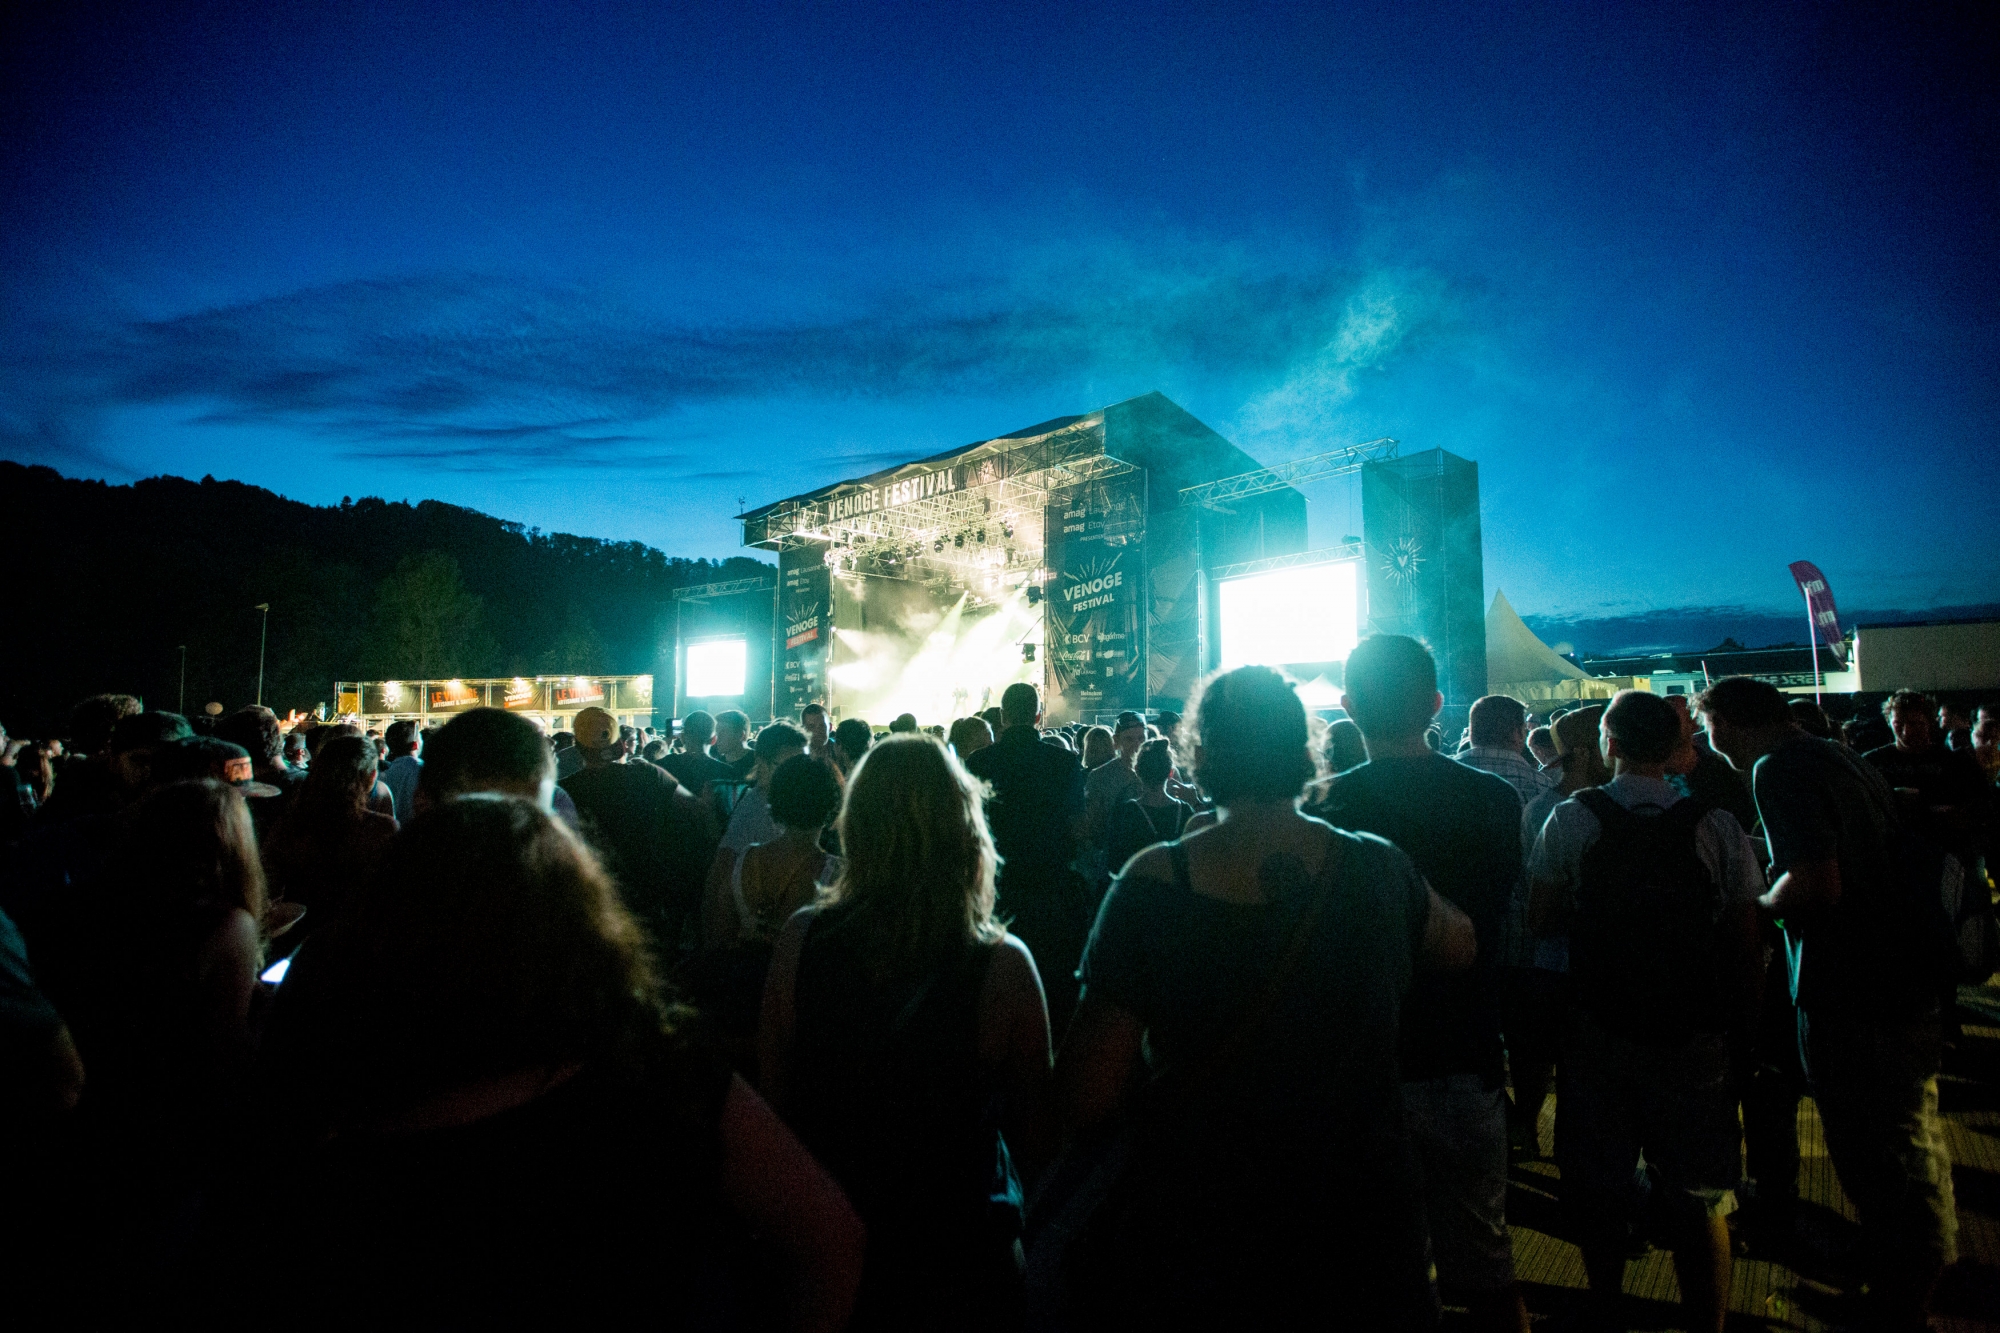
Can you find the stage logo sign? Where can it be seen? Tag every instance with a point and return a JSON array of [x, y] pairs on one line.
[[1095, 632], [805, 608]]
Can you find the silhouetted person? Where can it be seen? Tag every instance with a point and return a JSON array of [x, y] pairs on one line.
[[904, 1034], [1462, 827], [1256, 970], [1658, 896], [1036, 814], [1863, 953], [656, 839]]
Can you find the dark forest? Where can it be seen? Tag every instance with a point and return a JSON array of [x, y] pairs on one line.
[[368, 589]]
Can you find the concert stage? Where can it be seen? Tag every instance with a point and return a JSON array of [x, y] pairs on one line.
[[1111, 559]]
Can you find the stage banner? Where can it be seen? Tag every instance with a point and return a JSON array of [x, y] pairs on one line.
[[1819, 605], [1094, 635], [805, 606]]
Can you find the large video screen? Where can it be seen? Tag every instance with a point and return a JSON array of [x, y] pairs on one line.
[[1311, 613], [715, 669]]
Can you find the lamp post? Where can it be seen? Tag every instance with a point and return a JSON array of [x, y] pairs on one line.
[[184, 680], [263, 632]]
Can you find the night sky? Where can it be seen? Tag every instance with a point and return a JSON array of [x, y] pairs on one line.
[[1702, 289]]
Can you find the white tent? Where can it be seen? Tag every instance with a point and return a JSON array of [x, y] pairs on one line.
[[1520, 664]]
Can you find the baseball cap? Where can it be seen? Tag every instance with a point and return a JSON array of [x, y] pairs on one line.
[[143, 731], [200, 757], [596, 729]]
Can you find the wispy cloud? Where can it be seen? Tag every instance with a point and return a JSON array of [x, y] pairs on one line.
[[485, 372]]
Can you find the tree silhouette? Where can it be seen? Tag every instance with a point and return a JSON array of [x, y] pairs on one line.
[[428, 626]]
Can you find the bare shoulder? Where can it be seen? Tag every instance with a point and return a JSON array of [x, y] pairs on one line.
[[235, 937], [793, 932], [1014, 962], [1156, 862]]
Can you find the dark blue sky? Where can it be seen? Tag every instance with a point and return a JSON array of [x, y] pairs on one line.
[[1702, 290]]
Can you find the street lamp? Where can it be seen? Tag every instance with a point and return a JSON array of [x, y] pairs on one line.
[[262, 633]]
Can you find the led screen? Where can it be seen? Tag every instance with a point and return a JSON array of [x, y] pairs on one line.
[[716, 668], [1308, 614]]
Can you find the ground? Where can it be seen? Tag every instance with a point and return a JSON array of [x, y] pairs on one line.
[[1800, 1287]]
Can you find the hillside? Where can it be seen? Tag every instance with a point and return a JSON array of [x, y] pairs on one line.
[[113, 578]]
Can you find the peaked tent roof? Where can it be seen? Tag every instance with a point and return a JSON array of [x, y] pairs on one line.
[[1514, 656]]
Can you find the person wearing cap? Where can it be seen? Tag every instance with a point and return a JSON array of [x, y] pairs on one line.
[[210, 757], [1111, 784], [258, 731], [656, 839], [134, 742]]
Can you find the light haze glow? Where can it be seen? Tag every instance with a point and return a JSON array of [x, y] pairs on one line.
[[1306, 614], [716, 669]]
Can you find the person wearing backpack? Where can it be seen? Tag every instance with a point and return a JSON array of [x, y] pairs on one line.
[[1866, 944], [1658, 894]]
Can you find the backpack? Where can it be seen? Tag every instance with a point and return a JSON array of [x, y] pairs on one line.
[[1644, 960]]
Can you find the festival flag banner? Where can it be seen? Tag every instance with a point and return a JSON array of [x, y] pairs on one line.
[[1819, 605]]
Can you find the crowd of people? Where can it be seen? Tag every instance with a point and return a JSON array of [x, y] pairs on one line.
[[1231, 1020]]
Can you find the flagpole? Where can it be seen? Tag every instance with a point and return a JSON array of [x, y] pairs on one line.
[[1812, 645]]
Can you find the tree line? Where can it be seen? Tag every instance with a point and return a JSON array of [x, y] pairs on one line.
[[368, 589]]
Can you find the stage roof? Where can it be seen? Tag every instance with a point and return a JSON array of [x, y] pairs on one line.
[[1150, 432]]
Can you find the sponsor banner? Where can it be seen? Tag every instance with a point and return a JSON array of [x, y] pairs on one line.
[[522, 693], [805, 612], [578, 692], [1819, 605], [1095, 601]]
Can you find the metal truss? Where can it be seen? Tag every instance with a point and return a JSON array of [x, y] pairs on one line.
[[731, 588], [984, 536], [1299, 471], [1323, 556], [1006, 488]]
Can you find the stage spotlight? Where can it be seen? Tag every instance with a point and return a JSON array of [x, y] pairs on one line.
[[958, 541], [1027, 652], [938, 545], [1007, 531], [1034, 596]]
